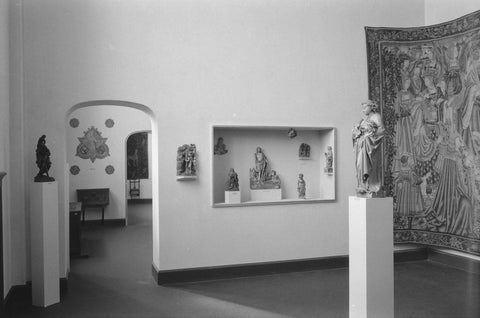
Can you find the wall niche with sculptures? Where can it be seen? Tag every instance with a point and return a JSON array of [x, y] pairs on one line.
[[262, 165]]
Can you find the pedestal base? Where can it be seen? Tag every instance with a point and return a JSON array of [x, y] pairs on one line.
[[232, 197], [371, 257], [44, 243], [266, 195]]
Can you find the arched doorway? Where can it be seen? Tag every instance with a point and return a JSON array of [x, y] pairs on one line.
[[116, 104]]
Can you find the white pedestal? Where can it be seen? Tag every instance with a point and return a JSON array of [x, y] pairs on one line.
[[266, 195], [232, 197], [44, 243], [371, 257]]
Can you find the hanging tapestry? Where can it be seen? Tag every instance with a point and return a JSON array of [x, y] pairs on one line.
[[137, 156], [427, 82]]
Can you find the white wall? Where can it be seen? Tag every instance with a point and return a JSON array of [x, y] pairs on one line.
[[92, 174], [195, 63], [4, 133], [12, 127], [439, 11]]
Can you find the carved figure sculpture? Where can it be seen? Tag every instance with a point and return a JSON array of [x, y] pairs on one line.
[[43, 161], [187, 160], [261, 164], [232, 182], [367, 139], [260, 176], [301, 186], [329, 160], [220, 148], [304, 151], [292, 133]]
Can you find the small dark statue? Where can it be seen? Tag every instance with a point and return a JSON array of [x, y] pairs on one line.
[[43, 161]]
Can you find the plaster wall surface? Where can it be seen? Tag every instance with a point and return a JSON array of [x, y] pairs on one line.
[[195, 63], [438, 11]]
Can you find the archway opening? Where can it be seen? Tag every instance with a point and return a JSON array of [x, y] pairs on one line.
[[73, 145]]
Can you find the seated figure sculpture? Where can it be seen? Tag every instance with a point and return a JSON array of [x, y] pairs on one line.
[[367, 139]]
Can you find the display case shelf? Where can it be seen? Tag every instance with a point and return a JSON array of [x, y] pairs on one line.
[[283, 154]]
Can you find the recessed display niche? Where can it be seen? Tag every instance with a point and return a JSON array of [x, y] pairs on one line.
[[268, 163]]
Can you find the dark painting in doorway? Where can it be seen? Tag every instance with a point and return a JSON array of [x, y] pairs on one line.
[[426, 81], [137, 156]]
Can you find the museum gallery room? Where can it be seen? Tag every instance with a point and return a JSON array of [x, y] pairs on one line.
[[240, 158]]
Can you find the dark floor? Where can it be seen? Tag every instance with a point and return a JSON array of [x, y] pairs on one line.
[[116, 281]]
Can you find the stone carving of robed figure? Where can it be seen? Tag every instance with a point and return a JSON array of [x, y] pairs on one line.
[[43, 161], [367, 139]]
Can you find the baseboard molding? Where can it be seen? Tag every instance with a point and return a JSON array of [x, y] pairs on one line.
[[246, 270], [21, 295], [466, 264], [107, 222], [257, 269]]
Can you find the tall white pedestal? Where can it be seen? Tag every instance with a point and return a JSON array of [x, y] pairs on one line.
[[371, 257], [44, 243]]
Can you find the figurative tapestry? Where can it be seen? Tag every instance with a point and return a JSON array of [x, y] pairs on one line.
[[427, 83], [137, 156]]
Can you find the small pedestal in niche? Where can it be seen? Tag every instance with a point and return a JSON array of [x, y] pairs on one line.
[[232, 197], [266, 195], [44, 243], [371, 257]]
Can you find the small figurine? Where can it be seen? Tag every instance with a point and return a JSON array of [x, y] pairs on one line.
[[304, 151], [232, 183], [301, 186], [367, 139], [329, 160], [187, 160], [220, 148], [275, 179], [43, 161], [292, 133]]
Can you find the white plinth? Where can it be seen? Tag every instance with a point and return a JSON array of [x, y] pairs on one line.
[[371, 257], [232, 197], [44, 243], [266, 195]]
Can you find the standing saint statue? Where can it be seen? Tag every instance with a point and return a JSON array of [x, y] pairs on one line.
[[43, 161], [367, 139], [301, 186], [261, 163]]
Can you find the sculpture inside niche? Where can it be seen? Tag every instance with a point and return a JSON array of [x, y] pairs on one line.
[[292, 133], [187, 160], [329, 160], [367, 139], [260, 176], [304, 151], [43, 161], [220, 148], [301, 186], [232, 182]]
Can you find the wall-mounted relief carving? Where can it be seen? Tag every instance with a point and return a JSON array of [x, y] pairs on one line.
[[109, 169], [186, 161], [74, 170], [74, 122], [92, 145], [109, 123]]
